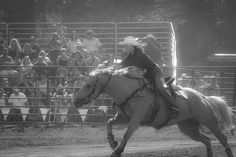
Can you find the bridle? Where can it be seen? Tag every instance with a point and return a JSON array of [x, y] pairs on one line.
[[90, 96]]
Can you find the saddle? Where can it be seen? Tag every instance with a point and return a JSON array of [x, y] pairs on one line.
[[135, 73]]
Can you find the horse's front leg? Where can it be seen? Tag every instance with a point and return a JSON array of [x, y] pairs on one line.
[[133, 125], [110, 136]]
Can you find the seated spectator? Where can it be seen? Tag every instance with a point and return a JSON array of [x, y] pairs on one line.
[[211, 86], [197, 80], [15, 50], [35, 47], [6, 60], [3, 42], [45, 57], [27, 51], [78, 59], [3, 98], [54, 46], [108, 61], [26, 66], [93, 60], [6, 88], [11, 35], [92, 44], [73, 43], [184, 80], [40, 68], [62, 59]]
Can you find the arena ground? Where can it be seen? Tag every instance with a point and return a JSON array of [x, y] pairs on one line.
[[88, 141]]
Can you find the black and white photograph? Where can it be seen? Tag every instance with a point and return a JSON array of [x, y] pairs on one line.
[[117, 78]]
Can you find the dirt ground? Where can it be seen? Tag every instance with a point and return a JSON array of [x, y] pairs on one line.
[[85, 135]]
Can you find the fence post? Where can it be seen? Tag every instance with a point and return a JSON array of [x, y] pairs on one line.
[[7, 31], [222, 82], [234, 93], [192, 81], [116, 40]]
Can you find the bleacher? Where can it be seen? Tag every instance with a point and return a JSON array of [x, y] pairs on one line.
[[109, 33]]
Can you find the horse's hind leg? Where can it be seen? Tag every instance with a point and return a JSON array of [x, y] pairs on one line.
[[221, 137], [191, 128]]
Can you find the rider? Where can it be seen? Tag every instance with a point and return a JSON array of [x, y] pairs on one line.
[[135, 56]]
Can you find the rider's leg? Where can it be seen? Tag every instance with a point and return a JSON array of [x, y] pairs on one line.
[[159, 87]]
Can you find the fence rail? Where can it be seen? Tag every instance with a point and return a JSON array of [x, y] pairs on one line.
[[42, 108], [46, 109]]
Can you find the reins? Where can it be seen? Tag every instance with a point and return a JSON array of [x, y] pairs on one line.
[[95, 86], [121, 105]]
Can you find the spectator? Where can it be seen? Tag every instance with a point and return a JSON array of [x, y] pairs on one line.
[[211, 86], [92, 44], [3, 98], [54, 46], [62, 59], [15, 49], [153, 48], [45, 57], [28, 51], [40, 68], [79, 61], [5, 59], [11, 35], [184, 80], [26, 66], [3, 42], [196, 81], [93, 60], [17, 100], [35, 47], [6, 88], [59, 100], [73, 43]]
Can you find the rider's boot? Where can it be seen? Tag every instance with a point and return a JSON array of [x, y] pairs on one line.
[[171, 103]]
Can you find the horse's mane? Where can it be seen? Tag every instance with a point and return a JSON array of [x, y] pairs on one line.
[[112, 70], [98, 71]]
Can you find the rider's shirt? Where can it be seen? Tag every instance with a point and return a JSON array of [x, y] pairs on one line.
[[142, 61]]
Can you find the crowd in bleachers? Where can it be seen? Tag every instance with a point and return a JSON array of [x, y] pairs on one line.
[[32, 69], [47, 77]]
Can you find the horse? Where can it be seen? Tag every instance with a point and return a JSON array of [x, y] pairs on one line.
[[136, 100]]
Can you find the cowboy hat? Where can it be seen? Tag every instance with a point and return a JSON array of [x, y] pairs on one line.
[[90, 32], [130, 40], [16, 89], [149, 36]]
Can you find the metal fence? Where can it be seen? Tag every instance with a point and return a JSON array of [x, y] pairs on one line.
[[109, 33], [43, 109]]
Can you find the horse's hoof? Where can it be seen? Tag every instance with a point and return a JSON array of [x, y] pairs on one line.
[[114, 144], [117, 153], [114, 154]]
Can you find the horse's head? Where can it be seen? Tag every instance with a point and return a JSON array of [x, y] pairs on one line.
[[91, 89]]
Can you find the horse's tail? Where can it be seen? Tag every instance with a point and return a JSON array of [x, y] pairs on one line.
[[223, 112]]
